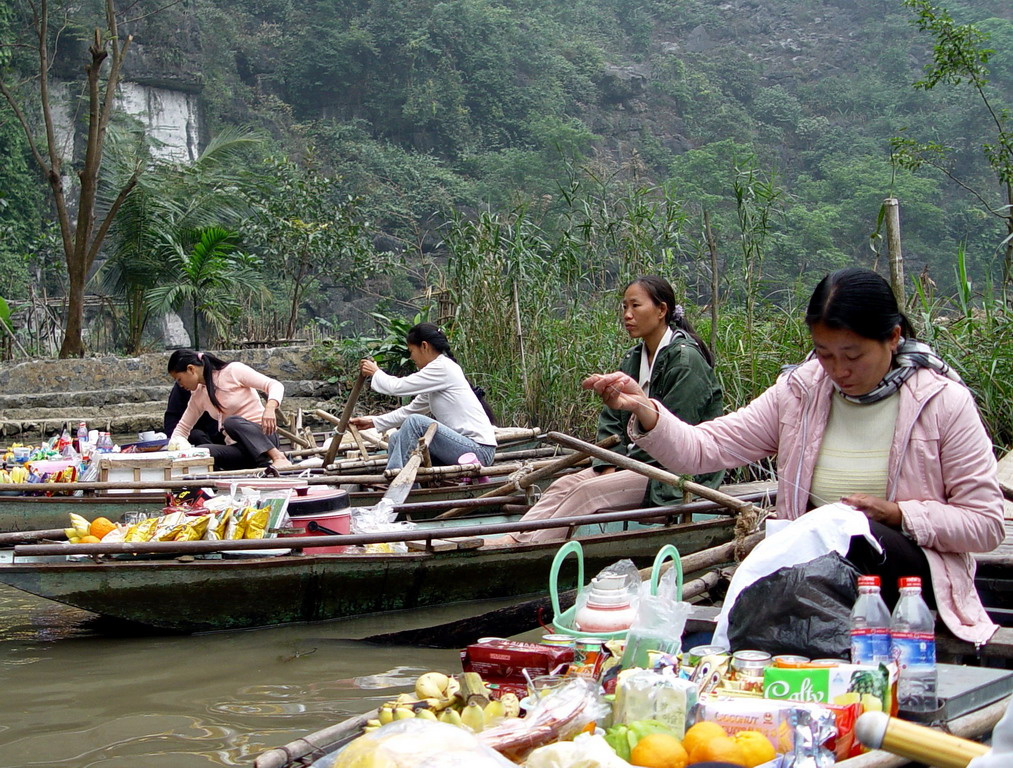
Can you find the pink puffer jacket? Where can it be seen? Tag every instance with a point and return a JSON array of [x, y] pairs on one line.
[[942, 470]]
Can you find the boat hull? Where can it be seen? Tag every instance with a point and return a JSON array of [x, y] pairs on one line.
[[192, 595]]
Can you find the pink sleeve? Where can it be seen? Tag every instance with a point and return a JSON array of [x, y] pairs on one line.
[[971, 517], [245, 375], [194, 409], [743, 436]]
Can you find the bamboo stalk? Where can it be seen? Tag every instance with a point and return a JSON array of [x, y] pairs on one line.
[[892, 206], [346, 414], [548, 470], [625, 462]]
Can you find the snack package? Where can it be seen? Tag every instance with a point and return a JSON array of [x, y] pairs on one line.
[[505, 660], [779, 722], [416, 743], [872, 686], [646, 695]]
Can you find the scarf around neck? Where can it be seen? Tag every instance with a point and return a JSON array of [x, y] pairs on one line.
[[909, 357]]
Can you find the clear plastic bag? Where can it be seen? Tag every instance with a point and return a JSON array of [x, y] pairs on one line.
[[560, 715], [586, 751], [657, 626], [416, 743], [646, 695], [380, 518]]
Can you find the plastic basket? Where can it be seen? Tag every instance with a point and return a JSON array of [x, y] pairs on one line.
[[562, 621]]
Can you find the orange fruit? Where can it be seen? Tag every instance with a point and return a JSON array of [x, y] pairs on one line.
[[659, 750], [720, 750], [90, 540], [701, 732], [756, 746], [100, 526]]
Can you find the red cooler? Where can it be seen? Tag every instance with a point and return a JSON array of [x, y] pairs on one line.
[[328, 507]]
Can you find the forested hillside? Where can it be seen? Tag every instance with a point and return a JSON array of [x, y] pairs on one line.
[[409, 110]]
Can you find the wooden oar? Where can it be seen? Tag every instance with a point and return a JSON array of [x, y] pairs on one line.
[[346, 414], [652, 472], [401, 485], [514, 619], [531, 478]]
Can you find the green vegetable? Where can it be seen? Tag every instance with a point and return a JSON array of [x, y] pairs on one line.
[[623, 737]]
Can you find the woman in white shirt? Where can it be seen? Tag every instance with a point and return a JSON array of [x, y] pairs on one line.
[[440, 392]]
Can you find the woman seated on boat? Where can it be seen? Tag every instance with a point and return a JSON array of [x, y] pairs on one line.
[[440, 392], [872, 418], [203, 432], [675, 366], [229, 391]]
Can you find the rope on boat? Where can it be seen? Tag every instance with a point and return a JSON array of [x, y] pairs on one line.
[[748, 522]]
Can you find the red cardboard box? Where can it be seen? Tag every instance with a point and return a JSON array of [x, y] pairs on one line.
[[504, 660]]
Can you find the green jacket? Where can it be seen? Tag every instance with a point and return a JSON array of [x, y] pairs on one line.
[[687, 386]]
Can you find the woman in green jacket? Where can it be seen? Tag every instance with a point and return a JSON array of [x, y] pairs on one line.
[[674, 364]]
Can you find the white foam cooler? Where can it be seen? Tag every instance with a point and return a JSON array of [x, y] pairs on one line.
[[149, 467]]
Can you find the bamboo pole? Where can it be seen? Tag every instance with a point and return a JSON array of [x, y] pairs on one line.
[[892, 206], [548, 470], [652, 472], [424, 534], [346, 414]]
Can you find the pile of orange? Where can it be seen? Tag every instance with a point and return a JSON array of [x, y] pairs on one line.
[[99, 527], [704, 742]]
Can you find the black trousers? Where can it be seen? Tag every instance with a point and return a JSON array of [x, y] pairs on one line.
[[249, 450], [901, 557]]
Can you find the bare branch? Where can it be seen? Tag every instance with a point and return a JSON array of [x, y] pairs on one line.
[[111, 215], [152, 13]]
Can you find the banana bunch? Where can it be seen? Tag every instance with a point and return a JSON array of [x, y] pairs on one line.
[[445, 699], [80, 527], [16, 474]]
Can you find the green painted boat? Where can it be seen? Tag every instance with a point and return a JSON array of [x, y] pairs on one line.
[[242, 589]]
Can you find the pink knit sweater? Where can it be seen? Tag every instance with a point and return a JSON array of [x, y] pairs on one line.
[[236, 387]]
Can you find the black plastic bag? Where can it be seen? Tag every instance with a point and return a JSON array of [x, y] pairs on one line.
[[804, 609]]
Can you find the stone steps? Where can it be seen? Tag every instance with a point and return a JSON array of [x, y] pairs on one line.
[[123, 418]]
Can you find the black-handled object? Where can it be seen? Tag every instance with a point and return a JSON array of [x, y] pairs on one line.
[[314, 527]]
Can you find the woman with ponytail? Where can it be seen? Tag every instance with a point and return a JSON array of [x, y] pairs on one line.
[[440, 392], [674, 364], [229, 392]]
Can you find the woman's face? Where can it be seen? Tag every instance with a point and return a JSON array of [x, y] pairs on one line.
[[854, 363], [189, 379], [422, 354], [641, 316]]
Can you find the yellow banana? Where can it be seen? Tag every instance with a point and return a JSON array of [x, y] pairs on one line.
[[81, 525], [425, 714], [451, 717], [373, 724], [473, 717], [432, 685], [403, 713], [493, 712], [386, 714]]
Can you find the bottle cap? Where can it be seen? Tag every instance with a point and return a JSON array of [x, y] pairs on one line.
[[909, 581], [868, 581]]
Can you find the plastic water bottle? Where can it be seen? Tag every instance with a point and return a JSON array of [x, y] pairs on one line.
[[913, 648], [870, 624], [105, 443], [82, 438]]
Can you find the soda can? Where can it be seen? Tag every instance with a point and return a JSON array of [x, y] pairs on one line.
[[789, 661], [826, 663], [558, 641], [693, 656], [750, 663], [586, 651]]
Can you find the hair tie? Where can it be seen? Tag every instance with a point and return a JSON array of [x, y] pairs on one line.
[[679, 312], [200, 355]]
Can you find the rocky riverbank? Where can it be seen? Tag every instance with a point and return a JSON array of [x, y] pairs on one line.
[[127, 394]]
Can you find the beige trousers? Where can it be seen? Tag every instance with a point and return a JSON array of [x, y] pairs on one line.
[[582, 493]]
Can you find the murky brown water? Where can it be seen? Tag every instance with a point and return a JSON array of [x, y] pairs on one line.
[[73, 696]]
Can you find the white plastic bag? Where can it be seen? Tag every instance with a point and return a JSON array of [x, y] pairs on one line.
[[380, 518]]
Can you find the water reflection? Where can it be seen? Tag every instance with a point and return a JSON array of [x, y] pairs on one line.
[[75, 696]]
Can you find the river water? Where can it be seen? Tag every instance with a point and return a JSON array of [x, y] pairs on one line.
[[73, 694]]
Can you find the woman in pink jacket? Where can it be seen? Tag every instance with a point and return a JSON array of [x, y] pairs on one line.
[[230, 392], [874, 419]]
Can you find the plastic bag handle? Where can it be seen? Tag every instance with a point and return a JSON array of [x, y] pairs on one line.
[[666, 552], [557, 562]]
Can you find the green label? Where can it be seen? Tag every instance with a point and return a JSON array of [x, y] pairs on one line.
[[806, 685]]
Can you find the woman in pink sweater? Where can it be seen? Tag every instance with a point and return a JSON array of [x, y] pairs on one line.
[[874, 419], [230, 393]]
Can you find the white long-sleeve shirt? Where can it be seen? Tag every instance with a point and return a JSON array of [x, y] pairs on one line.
[[439, 390]]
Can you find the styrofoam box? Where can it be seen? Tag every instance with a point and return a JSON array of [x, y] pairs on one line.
[[149, 467]]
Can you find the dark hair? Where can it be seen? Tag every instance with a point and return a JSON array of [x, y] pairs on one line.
[[857, 300], [660, 291], [430, 332], [181, 358]]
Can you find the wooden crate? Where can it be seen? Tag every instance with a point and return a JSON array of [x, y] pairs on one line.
[[127, 468]]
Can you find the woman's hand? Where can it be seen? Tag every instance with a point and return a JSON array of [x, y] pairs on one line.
[[269, 421], [875, 508], [623, 393], [368, 366], [362, 422]]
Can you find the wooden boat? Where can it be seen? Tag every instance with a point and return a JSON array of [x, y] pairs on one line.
[[186, 593]]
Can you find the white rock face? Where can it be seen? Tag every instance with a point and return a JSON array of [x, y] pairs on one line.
[[173, 332], [169, 117]]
